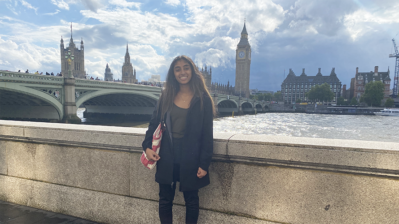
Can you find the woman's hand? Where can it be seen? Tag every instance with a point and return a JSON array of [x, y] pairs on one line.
[[151, 155], [201, 173]]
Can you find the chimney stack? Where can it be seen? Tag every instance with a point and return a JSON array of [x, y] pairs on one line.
[[376, 71]]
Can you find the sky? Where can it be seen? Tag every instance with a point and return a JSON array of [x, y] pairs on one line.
[[284, 34]]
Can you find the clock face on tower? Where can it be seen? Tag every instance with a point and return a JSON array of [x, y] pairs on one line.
[[241, 54]]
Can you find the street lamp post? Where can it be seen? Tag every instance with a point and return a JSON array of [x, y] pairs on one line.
[[70, 58]]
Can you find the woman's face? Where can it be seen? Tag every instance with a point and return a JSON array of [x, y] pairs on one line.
[[182, 72]]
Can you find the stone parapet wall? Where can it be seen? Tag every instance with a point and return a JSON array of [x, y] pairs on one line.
[[94, 172]]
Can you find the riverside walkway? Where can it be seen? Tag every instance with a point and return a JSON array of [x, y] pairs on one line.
[[18, 214]]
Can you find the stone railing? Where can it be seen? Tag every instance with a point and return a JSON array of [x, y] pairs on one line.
[[94, 172], [27, 77], [114, 85]]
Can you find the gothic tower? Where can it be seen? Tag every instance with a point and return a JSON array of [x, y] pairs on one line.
[[78, 66], [128, 73], [243, 64], [108, 76], [207, 74]]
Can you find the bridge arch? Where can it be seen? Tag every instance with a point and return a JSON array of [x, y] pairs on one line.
[[25, 102], [122, 102], [227, 106], [247, 107], [105, 92], [227, 100]]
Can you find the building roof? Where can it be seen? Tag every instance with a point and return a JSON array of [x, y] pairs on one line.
[[370, 76], [318, 78]]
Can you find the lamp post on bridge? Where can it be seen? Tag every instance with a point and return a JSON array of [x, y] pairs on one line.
[[70, 58]]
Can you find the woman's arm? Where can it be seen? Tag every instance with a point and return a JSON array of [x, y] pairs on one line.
[[154, 122], [207, 136]]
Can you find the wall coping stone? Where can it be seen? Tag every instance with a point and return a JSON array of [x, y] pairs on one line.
[[336, 155]]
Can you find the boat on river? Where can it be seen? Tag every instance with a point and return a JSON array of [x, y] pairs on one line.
[[388, 112]]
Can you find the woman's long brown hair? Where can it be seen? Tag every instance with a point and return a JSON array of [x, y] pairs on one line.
[[172, 86]]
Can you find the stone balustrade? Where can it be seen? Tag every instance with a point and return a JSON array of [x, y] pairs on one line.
[[93, 172]]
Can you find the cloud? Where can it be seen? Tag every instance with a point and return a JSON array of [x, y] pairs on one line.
[[363, 21], [309, 16], [92, 5], [27, 56], [60, 4], [28, 5], [172, 2], [124, 3], [12, 9], [52, 13]]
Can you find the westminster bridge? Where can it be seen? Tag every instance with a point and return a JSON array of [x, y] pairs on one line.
[[31, 96]]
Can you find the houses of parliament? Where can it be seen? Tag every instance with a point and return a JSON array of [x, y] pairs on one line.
[[242, 73]]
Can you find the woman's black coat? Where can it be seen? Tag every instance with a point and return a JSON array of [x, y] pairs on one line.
[[197, 148]]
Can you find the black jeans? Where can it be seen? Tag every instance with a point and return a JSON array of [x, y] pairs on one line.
[[166, 196], [167, 193]]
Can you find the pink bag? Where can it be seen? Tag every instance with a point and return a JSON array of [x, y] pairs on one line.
[[156, 146]]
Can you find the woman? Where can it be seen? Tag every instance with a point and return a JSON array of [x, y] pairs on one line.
[[186, 151]]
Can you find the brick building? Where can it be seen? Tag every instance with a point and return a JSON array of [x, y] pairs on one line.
[[362, 78]]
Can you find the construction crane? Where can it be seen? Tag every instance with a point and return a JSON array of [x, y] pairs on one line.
[[395, 80]]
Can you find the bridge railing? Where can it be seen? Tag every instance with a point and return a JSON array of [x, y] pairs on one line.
[[18, 76], [118, 85]]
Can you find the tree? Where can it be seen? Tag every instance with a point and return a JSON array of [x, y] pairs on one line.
[[374, 93], [320, 93], [341, 101], [268, 96], [278, 96], [390, 102], [252, 97], [353, 101], [260, 97], [298, 100]]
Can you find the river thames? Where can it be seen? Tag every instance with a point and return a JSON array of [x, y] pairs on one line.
[[357, 127]]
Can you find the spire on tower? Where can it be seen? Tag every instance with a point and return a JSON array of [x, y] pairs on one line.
[[244, 37], [71, 30], [244, 30], [127, 48]]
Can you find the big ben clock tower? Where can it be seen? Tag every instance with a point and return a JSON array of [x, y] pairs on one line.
[[243, 64]]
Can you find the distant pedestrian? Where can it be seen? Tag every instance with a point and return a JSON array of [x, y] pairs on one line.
[[52, 73], [19, 70], [47, 73], [37, 73], [27, 71]]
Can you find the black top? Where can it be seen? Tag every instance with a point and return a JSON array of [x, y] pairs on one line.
[[178, 116]]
